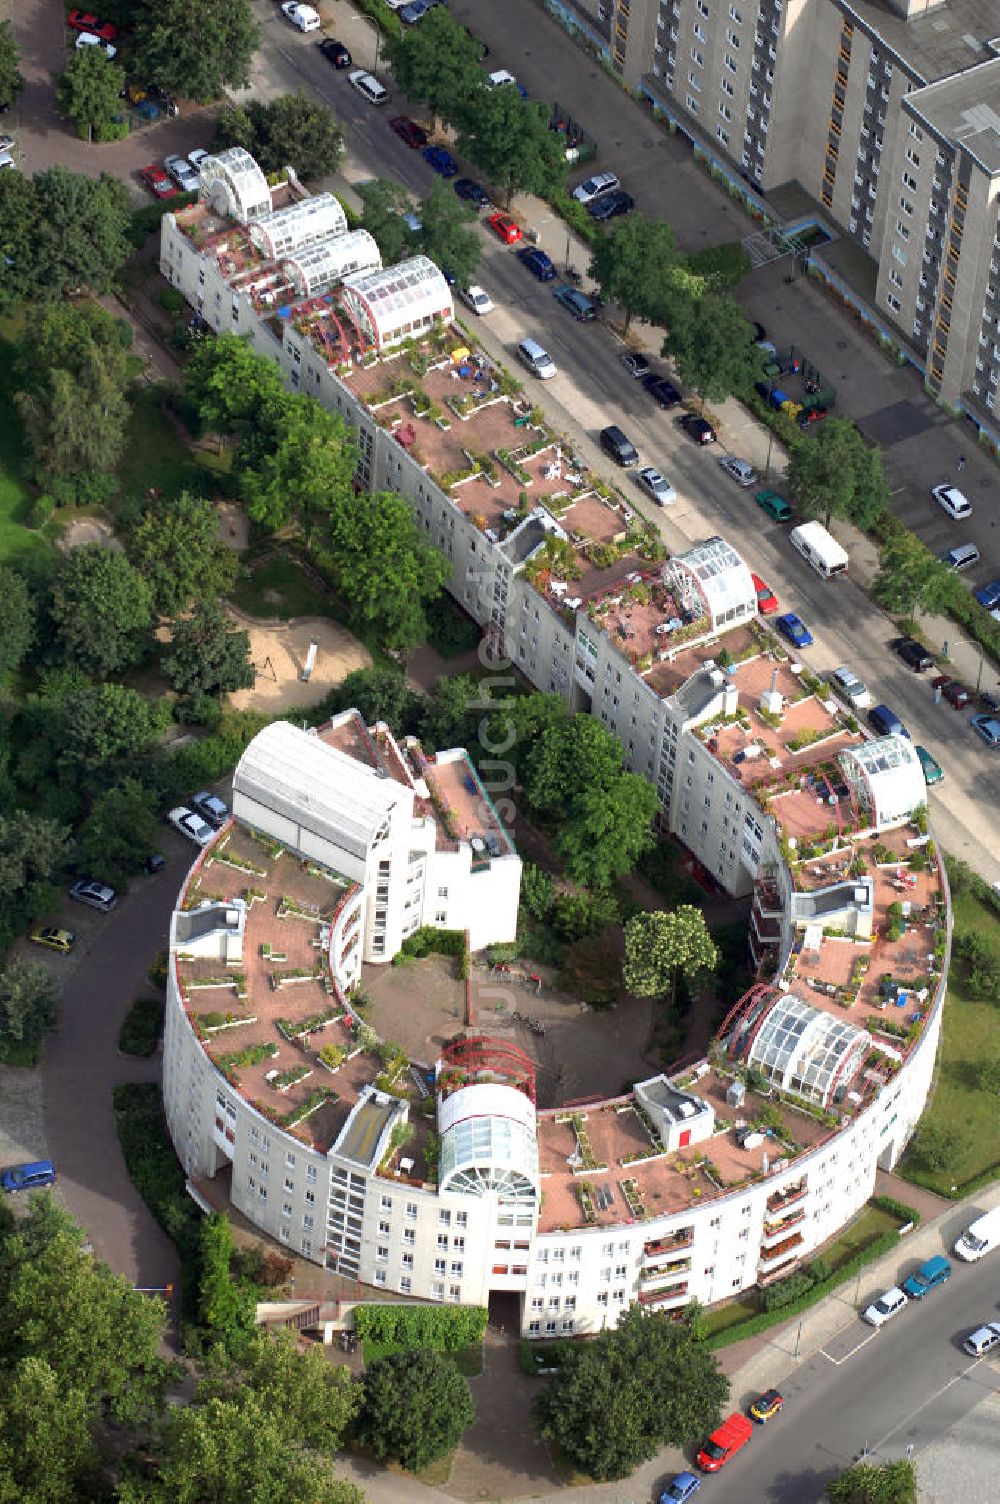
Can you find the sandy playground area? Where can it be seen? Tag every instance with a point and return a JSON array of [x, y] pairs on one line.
[[279, 649]]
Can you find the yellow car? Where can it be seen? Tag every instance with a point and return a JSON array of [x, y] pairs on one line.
[[63, 940]]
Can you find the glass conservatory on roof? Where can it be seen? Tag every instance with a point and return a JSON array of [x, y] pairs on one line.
[[234, 186], [488, 1143], [806, 1051], [317, 268], [399, 302], [282, 232], [712, 580], [886, 779]]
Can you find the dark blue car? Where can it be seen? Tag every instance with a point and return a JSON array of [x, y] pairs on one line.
[[989, 595], [441, 160], [470, 190], [538, 263]]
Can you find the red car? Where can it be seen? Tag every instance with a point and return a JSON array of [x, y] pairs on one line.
[[508, 229], [956, 694], [767, 601], [157, 181], [85, 20], [409, 131]]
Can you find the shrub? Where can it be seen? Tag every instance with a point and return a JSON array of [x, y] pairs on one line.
[[172, 299], [198, 710], [443, 1328], [428, 941], [141, 1026], [41, 510]]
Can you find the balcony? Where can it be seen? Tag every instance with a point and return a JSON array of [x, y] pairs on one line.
[[786, 1197], [661, 1246], [777, 1229], [670, 1294], [781, 1252], [649, 1276]]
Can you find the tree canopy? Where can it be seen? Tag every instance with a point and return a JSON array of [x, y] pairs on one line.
[[632, 266], [711, 343], [119, 833], [195, 51], [509, 139], [27, 1003], [446, 237], [302, 466], [88, 95], [209, 654], [875, 1483], [833, 473], [910, 578], [292, 130], [416, 1407], [75, 232], [619, 1398], [381, 694], [661, 946], [437, 63], [174, 544], [101, 610], [231, 385], [74, 422], [384, 204], [11, 82], [17, 619], [34, 854]]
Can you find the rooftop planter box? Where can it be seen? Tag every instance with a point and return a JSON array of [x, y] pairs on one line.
[[299, 1030], [272, 955], [281, 979], [293, 908], [630, 1190], [254, 1054], [239, 863], [285, 1080], [215, 1023], [585, 1193]]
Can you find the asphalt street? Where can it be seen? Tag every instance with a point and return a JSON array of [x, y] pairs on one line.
[[592, 389]]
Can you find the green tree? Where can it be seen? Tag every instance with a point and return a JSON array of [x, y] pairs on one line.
[[875, 1483], [381, 566], [449, 715], [384, 204], [569, 756], [537, 891], [446, 237], [226, 1306], [107, 1346], [100, 722], [17, 619], [988, 1076], [316, 1401], [75, 423], [234, 127], [34, 854], [722, 266], [305, 472], [833, 473], [27, 1003], [101, 610], [437, 63], [18, 207], [193, 51], [295, 130], [80, 232], [910, 578], [119, 833], [63, 336], [659, 947], [619, 1398], [380, 694], [175, 546], [632, 266], [231, 385], [509, 138], [712, 347], [208, 654], [608, 830], [938, 1147], [88, 95], [46, 1445], [11, 82], [416, 1408]]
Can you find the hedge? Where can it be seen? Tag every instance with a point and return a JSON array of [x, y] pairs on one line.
[[896, 1209], [385, 19], [158, 1176], [141, 1026], [445, 1329], [428, 941]]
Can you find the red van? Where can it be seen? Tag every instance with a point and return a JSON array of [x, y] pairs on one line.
[[735, 1431]]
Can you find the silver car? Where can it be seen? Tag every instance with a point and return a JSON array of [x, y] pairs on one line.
[[96, 895], [887, 1306], [658, 487], [847, 684], [742, 472], [182, 172], [983, 1340], [594, 187]]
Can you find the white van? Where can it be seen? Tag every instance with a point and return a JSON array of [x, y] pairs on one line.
[[980, 1237], [819, 549], [368, 85], [538, 361]]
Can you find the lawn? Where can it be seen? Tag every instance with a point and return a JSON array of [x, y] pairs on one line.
[[869, 1225], [281, 588], [970, 1034], [17, 542], [157, 456]]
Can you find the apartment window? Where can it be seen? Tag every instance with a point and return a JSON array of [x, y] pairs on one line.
[[410, 1236], [411, 1211], [909, 181], [734, 15], [727, 88], [386, 1204], [691, 103], [902, 230], [702, 9], [696, 57], [456, 1268], [730, 62], [405, 1285], [892, 302], [311, 1173], [725, 112], [699, 32], [906, 206], [733, 39], [406, 1260], [695, 83], [899, 255]]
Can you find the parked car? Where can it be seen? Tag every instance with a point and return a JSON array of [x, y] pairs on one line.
[[415, 11], [303, 17], [951, 500], [913, 653], [988, 727], [767, 601], [852, 689], [983, 1340], [662, 391], [191, 825], [506, 229], [658, 487], [88, 39], [96, 895], [987, 595], [885, 722], [951, 690], [409, 131], [154, 863], [500, 77], [962, 556], [85, 20], [683, 1487], [741, 471], [637, 366], [197, 157], [368, 85], [594, 187], [6, 142], [538, 263], [28, 1177], [724, 1442], [576, 302], [335, 53], [885, 1308], [611, 205], [794, 629], [213, 810], [469, 190], [52, 938], [932, 770], [618, 445], [183, 173], [766, 1407], [698, 429], [6, 160], [156, 180], [774, 505], [476, 298], [927, 1278], [441, 160]]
